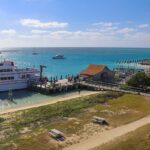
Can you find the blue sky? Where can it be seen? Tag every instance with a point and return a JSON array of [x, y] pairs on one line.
[[116, 23]]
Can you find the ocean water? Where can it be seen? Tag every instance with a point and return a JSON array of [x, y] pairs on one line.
[[24, 98], [76, 60]]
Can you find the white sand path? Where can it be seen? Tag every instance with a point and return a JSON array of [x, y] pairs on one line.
[[109, 135]]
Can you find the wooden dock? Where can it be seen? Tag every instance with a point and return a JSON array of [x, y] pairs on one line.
[[100, 86], [57, 87], [65, 86]]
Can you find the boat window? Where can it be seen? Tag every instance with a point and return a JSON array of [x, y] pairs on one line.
[[23, 77], [28, 75], [12, 63], [7, 78], [6, 70]]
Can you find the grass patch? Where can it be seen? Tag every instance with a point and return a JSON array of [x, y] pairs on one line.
[[2, 119], [60, 109], [125, 107]]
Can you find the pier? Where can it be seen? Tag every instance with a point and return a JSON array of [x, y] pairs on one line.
[[82, 81], [48, 87], [64, 86], [104, 86]]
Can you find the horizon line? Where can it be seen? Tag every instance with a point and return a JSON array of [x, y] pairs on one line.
[[70, 47]]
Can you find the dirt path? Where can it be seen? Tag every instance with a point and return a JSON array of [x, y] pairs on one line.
[[109, 135], [47, 103]]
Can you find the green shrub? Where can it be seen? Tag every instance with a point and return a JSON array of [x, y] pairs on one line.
[[2, 119], [139, 80]]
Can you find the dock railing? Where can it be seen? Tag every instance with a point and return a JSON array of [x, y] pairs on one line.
[[111, 86]]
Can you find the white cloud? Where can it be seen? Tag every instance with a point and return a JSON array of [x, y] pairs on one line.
[[143, 25], [64, 33], [39, 24], [77, 38], [125, 30], [105, 24], [107, 28], [40, 31], [8, 31], [102, 34]]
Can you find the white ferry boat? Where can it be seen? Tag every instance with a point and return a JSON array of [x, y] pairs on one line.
[[13, 78]]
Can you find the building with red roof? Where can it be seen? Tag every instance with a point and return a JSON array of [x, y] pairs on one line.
[[97, 72]]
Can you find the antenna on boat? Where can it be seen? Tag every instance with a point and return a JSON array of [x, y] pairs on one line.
[[10, 95]]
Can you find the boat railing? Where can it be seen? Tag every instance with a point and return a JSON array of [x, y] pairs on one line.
[[26, 69]]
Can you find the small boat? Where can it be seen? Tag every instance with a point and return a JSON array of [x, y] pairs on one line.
[[58, 57], [34, 53]]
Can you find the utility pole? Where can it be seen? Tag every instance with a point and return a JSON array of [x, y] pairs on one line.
[[41, 71]]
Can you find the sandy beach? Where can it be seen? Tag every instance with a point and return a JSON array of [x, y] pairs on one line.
[[11, 110]]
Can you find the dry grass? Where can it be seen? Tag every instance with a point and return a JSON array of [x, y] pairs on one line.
[[136, 140], [73, 117]]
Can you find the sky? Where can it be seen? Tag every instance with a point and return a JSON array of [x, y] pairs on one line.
[[74, 23]]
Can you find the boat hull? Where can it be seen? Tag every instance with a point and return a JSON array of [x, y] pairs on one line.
[[17, 85], [58, 58]]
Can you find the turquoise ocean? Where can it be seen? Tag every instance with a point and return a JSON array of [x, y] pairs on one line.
[[76, 60]]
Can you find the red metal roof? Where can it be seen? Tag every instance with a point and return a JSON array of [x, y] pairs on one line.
[[93, 69]]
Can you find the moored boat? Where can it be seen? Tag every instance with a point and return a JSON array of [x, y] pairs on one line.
[[58, 57], [34, 53], [14, 78]]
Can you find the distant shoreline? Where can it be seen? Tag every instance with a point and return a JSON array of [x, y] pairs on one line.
[[7, 49]]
